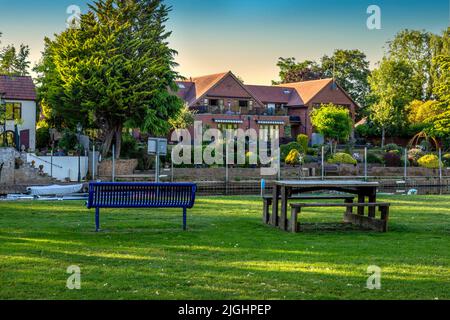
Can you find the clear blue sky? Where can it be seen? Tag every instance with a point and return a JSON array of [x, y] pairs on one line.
[[247, 36]]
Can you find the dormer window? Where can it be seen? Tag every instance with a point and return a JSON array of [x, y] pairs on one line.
[[287, 91]]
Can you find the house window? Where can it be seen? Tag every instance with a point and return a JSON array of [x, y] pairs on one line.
[[13, 111], [243, 103], [213, 102]]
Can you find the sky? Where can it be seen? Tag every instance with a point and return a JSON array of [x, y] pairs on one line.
[[246, 36]]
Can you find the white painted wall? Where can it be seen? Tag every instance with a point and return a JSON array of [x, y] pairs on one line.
[[28, 121], [63, 167]]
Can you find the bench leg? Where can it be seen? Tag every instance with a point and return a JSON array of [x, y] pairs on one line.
[[97, 219], [266, 212], [293, 222], [385, 217], [184, 219]]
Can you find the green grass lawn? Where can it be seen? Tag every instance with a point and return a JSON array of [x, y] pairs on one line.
[[226, 254]]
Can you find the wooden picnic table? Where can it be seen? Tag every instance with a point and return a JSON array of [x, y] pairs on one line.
[[284, 189]]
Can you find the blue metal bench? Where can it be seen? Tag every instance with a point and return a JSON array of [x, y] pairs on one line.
[[141, 195]]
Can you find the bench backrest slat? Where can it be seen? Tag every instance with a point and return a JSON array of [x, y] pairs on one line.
[[141, 195]]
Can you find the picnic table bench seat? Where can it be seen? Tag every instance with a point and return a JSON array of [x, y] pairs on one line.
[[370, 221], [268, 200], [141, 195]]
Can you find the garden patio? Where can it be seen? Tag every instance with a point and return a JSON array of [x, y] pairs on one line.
[[226, 254]]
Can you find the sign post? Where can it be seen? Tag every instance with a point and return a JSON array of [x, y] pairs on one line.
[[158, 147]]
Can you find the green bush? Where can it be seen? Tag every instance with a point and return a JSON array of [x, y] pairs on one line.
[[69, 141], [374, 158], [293, 157], [342, 158], [303, 141], [43, 139], [130, 147], [287, 148], [429, 161], [366, 131], [312, 152], [392, 147], [414, 155], [446, 159]]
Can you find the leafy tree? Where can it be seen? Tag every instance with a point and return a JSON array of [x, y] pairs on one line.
[[14, 61], [350, 68], [293, 71], [441, 64], [423, 112], [113, 72], [392, 89], [415, 48], [335, 123], [183, 120]]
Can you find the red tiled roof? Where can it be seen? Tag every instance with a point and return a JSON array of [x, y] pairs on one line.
[[308, 89], [274, 94], [17, 88], [291, 94], [197, 87]]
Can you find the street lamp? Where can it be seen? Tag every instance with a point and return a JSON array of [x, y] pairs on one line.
[[79, 129], [3, 110]]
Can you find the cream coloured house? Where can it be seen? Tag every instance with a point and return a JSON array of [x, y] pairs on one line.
[[18, 93]]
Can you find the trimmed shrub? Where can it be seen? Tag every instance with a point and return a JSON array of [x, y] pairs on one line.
[[414, 155], [374, 158], [429, 161], [392, 159], [293, 157], [446, 159], [342, 158], [303, 141], [312, 152], [392, 147], [287, 148], [69, 141]]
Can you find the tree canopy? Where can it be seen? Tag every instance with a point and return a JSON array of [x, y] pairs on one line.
[[114, 71], [333, 122], [14, 61], [350, 68]]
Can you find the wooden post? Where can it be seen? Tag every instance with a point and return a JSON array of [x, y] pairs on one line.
[[323, 163], [274, 216], [283, 215], [365, 164], [293, 222]]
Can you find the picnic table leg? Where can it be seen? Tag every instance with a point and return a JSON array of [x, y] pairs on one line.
[[184, 219], [274, 216], [97, 219], [361, 199], [283, 215], [372, 199]]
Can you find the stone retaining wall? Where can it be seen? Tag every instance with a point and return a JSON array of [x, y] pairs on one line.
[[123, 167]]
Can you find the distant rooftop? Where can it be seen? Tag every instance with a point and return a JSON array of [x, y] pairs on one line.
[[17, 88]]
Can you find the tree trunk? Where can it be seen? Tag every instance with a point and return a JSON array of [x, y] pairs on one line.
[[107, 142], [118, 136], [383, 136]]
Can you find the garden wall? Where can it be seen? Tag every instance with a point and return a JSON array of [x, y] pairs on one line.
[[123, 167]]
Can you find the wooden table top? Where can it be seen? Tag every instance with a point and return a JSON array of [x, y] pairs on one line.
[[326, 183]]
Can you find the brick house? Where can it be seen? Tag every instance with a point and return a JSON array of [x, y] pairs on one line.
[[19, 96], [223, 101]]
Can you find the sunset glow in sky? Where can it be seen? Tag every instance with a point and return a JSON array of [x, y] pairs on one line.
[[246, 36]]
